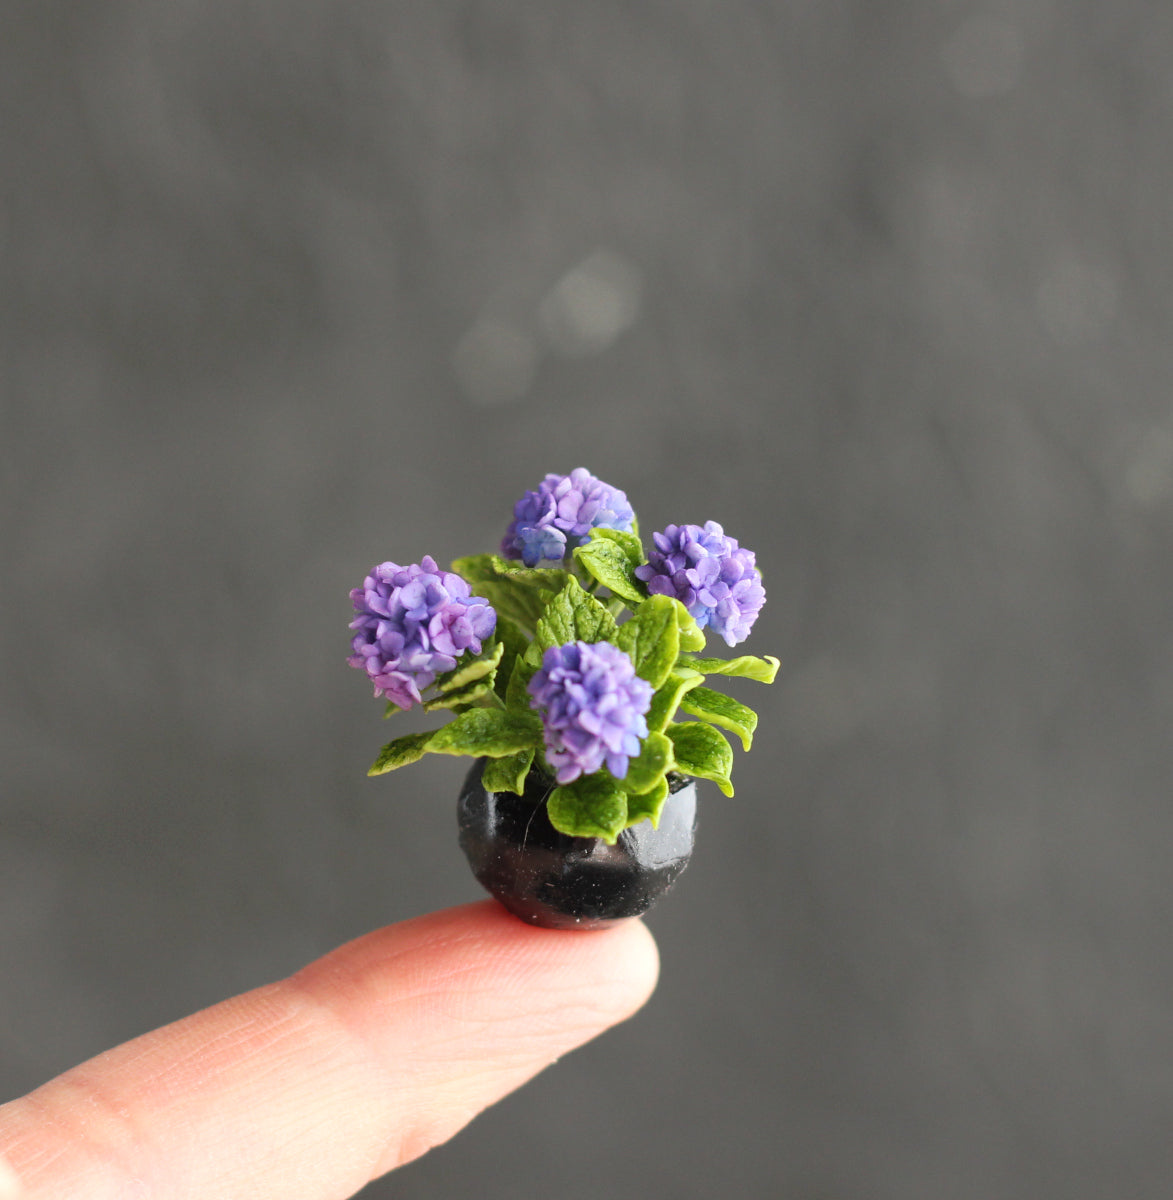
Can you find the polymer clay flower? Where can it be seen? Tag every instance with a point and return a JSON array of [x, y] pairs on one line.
[[560, 515], [710, 574], [413, 623], [592, 706], [580, 692]]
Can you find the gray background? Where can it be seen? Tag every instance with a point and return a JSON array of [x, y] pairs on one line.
[[289, 288]]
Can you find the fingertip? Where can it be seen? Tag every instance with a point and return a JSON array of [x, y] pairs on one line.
[[646, 954], [616, 967], [628, 953], [10, 1188], [480, 958], [511, 1000]]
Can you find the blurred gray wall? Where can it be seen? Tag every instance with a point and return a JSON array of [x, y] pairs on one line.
[[288, 288]]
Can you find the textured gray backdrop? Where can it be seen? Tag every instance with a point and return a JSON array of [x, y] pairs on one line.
[[290, 287]]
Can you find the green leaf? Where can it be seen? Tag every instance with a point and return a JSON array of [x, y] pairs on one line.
[[571, 616], [654, 761], [517, 699], [607, 563], [609, 560], [652, 639], [545, 579], [481, 732], [593, 806], [515, 643], [647, 805], [401, 752], [484, 568], [457, 700], [719, 709], [548, 579], [628, 542], [700, 750], [471, 671], [667, 698], [764, 669], [477, 567], [513, 600], [507, 774], [487, 732], [691, 636]]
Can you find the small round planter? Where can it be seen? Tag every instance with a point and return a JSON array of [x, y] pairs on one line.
[[560, 882]]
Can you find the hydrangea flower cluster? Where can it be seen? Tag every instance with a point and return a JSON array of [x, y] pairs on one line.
[[710, 574], [560, 514], [413, 623], [592, 706]]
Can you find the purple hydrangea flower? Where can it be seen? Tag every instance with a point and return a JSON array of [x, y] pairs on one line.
[[413, 623], [592, 706], [710, 574], [561, 514]]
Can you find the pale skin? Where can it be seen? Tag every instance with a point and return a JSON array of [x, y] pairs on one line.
[[309, 1088]]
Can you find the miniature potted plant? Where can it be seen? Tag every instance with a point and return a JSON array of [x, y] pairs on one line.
[[573, 665]]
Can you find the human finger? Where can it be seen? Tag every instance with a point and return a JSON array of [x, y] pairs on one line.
[[309, 1088]]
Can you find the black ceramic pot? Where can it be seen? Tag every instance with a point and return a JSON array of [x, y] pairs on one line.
[[560, 882]]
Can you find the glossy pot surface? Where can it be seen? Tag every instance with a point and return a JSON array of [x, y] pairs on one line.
[[560, 882]]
